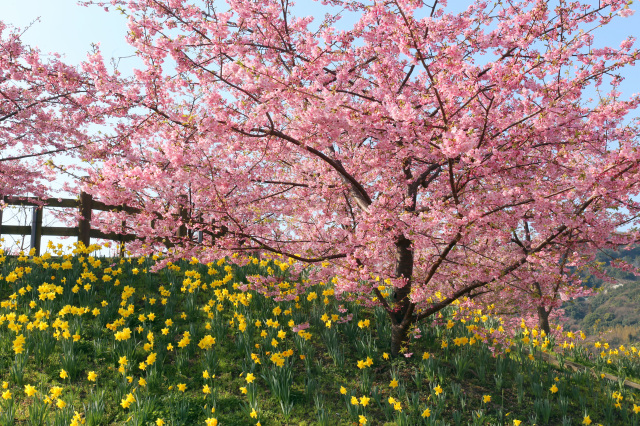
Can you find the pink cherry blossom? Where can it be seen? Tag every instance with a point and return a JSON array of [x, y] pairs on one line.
[[428, 152]]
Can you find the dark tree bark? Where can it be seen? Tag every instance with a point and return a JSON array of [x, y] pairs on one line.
[[401, 315], [543, 319]]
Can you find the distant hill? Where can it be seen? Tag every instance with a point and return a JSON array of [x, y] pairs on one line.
[[614, 311]]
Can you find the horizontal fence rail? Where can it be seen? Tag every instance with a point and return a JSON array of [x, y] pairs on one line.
[[85, 204]]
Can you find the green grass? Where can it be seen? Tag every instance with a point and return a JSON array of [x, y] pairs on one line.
[[518, 386]]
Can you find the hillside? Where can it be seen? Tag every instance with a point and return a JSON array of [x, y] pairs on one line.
[[614, 309], [97, 341]]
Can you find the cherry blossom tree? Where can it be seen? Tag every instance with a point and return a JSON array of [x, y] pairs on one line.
[[447, 153], [45, 107], [553, 277]]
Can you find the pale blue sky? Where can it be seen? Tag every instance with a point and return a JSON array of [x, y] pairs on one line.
[[67, 28]]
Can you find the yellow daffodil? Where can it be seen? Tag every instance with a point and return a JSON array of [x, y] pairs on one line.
[[29, 390]]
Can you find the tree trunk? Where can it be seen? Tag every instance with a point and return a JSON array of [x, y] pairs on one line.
[[399, 338], [543, 314], [543, 319], [404, 269]]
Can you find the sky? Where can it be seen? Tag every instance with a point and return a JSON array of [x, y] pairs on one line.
[[63, 26]]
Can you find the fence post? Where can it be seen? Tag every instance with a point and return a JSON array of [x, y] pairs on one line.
[[84, 225], [1, 210], [36, 229]]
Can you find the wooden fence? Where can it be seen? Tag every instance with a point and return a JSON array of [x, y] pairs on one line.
[[85, 204]]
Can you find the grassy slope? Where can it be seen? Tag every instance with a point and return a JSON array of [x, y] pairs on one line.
[[519, 387]]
